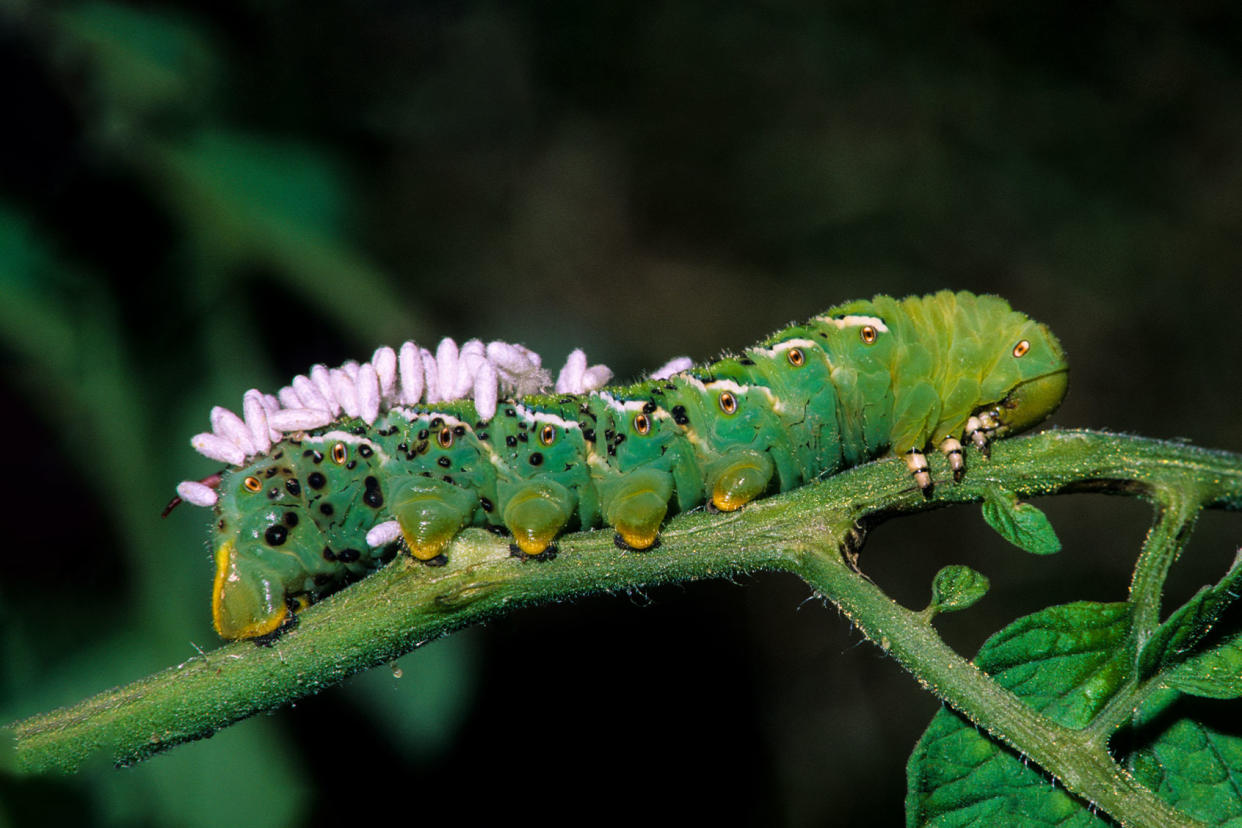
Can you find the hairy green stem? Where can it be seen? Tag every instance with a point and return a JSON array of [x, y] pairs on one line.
[[1177, 512], [407, 604], [1082, 764]]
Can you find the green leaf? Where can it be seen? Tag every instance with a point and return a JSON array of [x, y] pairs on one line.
[[1175, 639], [1214, 674], [1197, 768], [1067, 662], [1019, 523], [141, 60], [25, 259], [255, 186], [957, 587], [36, 318], [957, 776], [263, 203], [1064, 661]]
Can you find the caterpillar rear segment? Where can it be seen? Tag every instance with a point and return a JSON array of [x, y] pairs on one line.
[[863, 380]]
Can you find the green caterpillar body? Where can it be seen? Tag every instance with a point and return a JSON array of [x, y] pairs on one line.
[[863, 380]]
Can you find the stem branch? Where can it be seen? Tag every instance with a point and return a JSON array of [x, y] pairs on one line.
[[406, 604]]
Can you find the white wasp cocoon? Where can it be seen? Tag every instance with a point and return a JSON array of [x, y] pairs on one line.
[[508, 358], [410, 363], [346, 394], [470, 360], [409, 376], [485, 391], [299, 419], [191, 491], [674, 366], [289, 397], [385, 362], [228, 425], [382, 534], [446, 372], [309, 394], [570, 378], [219, 448], [271, 404], [323, 382], [256, 419], [595, 378], [431, 377], [367, 386]]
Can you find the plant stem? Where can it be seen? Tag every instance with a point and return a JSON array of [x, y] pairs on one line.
[[1081, 764], [1176, 515], [406, 604]]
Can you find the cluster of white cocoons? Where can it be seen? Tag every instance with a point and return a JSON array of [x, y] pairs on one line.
[[407, 377]]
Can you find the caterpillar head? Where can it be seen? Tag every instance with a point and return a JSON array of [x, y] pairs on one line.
[[1032, 369]]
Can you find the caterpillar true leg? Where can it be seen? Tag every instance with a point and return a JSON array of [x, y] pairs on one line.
[[979, 429], [952, 450], [917, 463]]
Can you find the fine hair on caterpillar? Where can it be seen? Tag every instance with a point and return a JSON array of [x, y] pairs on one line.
[[329, 478]]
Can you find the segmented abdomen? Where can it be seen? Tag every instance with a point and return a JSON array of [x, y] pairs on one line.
[[322, 507]]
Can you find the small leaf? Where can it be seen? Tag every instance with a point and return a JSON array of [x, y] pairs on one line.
[[1174, 640], [957, 587], [1019, 523]]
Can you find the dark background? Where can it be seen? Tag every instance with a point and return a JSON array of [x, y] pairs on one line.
[[197, 198]]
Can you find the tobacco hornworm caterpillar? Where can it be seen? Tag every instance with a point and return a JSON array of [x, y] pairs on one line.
[[329, 479]]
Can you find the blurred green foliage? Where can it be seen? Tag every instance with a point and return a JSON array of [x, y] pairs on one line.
[[200, 198]]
